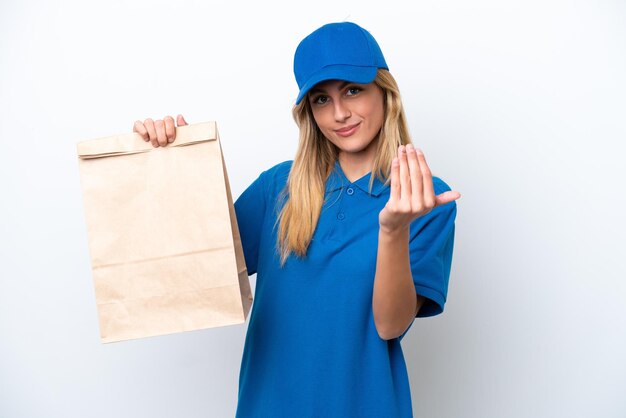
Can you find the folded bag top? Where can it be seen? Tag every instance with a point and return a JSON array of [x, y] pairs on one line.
[[132, 143]]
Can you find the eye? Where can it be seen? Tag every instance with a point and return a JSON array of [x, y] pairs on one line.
[[319, 99], [352, 91]]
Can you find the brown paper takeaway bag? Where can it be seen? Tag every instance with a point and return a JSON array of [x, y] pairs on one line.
[[165, 251]]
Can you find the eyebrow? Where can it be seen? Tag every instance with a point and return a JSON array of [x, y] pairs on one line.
[[340, 87]]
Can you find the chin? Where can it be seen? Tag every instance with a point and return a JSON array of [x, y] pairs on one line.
[[354, 146], [353, 150]]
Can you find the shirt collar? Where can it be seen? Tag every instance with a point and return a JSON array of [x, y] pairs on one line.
[[337, 180]]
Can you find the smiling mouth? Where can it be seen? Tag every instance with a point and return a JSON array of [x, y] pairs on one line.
[[348, 130]]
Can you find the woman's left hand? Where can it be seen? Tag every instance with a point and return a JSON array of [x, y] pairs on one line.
[[412, 194]]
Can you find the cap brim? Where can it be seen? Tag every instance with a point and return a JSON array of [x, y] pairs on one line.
[[362, 75]]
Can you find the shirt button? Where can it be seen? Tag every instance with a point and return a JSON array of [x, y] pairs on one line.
[[350, 191], [341, 216]]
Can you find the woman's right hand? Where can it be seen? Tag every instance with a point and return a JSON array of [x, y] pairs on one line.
[[159, 132]]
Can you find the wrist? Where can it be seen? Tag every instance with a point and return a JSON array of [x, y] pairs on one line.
[[393, 234]]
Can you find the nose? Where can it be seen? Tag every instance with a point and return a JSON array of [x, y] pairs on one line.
[[342, 112]]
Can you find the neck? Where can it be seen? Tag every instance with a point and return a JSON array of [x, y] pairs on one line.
[[357, 164]]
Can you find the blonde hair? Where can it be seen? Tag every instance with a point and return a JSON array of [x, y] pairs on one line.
[[314, 160]]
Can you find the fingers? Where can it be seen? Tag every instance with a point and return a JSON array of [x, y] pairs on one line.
[[170, 129], [159, 132], [412, 191], [416, 183], [427, 180], [429, 199], [446, 197], [405, 177], [149, 124], [159, 127], [394, 193], [141, 130], [417, 186]]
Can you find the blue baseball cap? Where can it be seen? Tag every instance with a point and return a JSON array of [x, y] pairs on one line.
[[337, 51]]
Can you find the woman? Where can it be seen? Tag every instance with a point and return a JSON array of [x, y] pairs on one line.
[[350, 242]]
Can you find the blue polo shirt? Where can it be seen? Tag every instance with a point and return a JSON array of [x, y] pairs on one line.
[[312, 349]]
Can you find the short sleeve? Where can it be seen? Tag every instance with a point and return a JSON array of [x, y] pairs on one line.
[[431, 247], [250, 209]]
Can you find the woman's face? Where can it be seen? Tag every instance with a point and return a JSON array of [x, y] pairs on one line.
[[349, 115]]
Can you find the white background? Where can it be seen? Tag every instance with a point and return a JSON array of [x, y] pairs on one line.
[[519, 105]]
